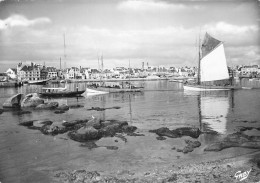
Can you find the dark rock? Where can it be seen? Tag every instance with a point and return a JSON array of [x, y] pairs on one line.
[[128, 129], [89, 145], [179, 132], [110, 130], [193, 144], [27, 123], [51, 105], [85, 134], [63, 107], [244, 128], [106, 123], [235, 140], [160, 138], [94, 122], [53, 129], [164, 131], [179, 150], [135, 134], [188, 131], [174, 148], [112, 147], [187, 149], [59, 112], [97, 109], [14, 101], [31, 100], [122, 124], [229, 166], [72, 123], [76, 106], [1, 111]]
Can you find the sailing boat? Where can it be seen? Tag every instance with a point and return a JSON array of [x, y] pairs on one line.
[[212, 71]]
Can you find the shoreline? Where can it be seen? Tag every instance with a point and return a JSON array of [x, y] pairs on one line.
[[109, 80], [221, 169]]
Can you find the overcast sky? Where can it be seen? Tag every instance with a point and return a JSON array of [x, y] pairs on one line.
[[161, 32]]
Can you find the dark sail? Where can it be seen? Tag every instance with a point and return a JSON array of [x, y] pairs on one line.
[[209, 43]]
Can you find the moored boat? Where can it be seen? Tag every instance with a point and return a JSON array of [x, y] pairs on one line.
[[212, 67], [38, 82], [176, 80], [115, 87], [60, 92]]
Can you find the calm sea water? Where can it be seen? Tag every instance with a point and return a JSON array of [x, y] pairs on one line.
[[29, 156]]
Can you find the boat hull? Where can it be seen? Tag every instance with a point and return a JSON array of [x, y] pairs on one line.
[[206, 88], [117, 90], [62, 94], [39, 82], [176, 80]]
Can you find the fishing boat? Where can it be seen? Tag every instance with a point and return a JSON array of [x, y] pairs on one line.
[[60, 92], [38, 82], [212, 68], [113, 87]]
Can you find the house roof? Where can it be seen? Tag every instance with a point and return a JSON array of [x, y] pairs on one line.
[[29, 68], [15, 70]]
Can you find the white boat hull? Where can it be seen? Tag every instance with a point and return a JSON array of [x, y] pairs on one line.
[[201, 88], [94, 92]]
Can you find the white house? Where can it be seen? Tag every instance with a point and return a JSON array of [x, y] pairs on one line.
[[12, 73], [72, 73]]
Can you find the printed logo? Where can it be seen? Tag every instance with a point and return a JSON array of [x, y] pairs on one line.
[[242, 175]]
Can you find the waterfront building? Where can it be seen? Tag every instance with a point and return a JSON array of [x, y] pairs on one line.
[[94, 74], [250, 69], [60, 74], [84, 73], [28, 72], [12, 73], [72, 73], [52, 73], [183, 72]]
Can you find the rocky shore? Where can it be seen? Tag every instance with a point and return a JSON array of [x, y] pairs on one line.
[[222, 170]]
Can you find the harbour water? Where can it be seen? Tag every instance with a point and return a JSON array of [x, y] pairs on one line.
[[29, 156]]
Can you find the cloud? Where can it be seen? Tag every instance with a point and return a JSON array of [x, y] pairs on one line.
[[145, 5], [20, 20], [225, 28], [246, 35]]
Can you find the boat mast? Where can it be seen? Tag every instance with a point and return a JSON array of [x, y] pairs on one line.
[[102, 67], [60, 63], [129, 75], [64, 46], [199, 64]]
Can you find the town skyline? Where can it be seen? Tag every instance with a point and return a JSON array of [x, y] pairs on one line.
[[160, 32]]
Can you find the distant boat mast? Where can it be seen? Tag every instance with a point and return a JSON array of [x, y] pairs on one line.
[[64, 46], [199, 63]]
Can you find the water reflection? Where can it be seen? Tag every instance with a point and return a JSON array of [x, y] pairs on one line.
[[213, 109]]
